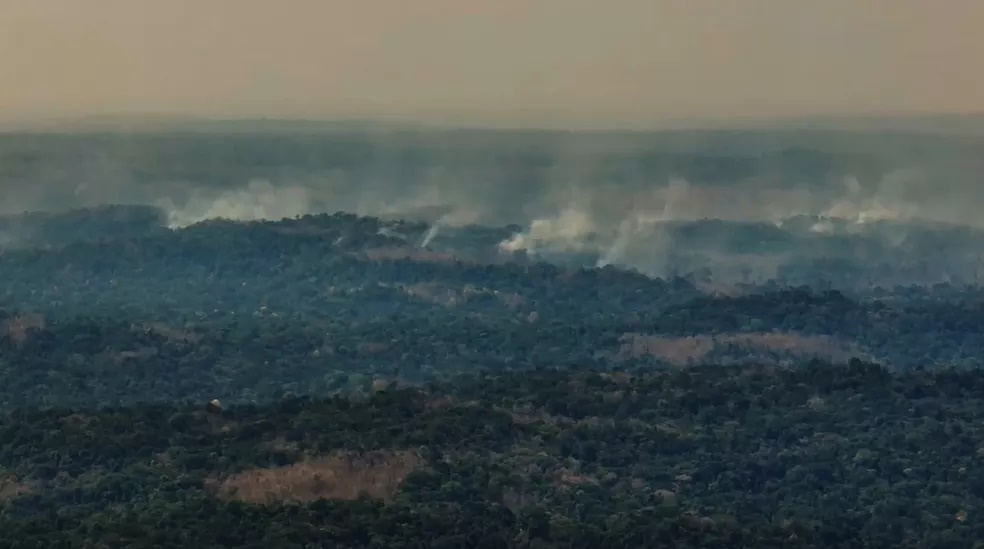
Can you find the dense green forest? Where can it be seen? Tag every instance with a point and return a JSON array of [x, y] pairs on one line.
[[754, 456], [371, 393], [422, 378], [130, 312]]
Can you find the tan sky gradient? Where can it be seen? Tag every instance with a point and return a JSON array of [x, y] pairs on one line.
[[583, 62]]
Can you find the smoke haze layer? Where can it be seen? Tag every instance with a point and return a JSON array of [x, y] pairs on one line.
[[661, 203]]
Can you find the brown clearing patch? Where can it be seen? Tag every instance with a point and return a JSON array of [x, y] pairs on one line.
[[435, 293], [140, 354], [678, 351], [451, 297], [512, 300], [530, 416], [162, 460], [280, 444], [397, 253], [76, 421], [221, 425], [567, 477], [10, 488], [438, 403], [681, 351], [342, 476], [372, 348], [17, 328], [168, 332]]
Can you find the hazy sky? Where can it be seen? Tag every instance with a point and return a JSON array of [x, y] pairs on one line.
[[583, 62]]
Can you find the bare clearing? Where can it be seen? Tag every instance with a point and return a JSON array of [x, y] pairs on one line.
[[447, 296], [10, 488], [397, 253], [168, 332], [341, 476], [17, 328], [681, 351]]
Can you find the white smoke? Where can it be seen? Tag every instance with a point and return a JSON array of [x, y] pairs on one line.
[[631, 226], [887, 202], [855, 210], [258, 201], [635, 237], [641, 242], [457, 217], [429, 235], [567, 231], [640, 235]]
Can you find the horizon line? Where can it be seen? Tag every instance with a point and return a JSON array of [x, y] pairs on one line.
[[145, 121]]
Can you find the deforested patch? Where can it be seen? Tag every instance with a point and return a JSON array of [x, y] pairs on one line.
[[773, 346], [168, 332], [17, 328], [576, 479], [453, 296], [341, 476], [397, 253], [434, 293], [678, 351], [11, 487]]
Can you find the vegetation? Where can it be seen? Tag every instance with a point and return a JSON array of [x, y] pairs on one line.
[[248, 311], [328, 380], [754, 456]]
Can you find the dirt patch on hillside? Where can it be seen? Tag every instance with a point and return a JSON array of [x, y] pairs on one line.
[[143, 353], [434, 293], [18, 327], [576, 479], [681, 351], [397, 253], [447, 296], [440, 402], [168, 332], [340, 476], [372, 348], [10, 488]]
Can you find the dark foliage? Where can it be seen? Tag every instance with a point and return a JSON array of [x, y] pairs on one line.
[[372, 393], [713, 457]]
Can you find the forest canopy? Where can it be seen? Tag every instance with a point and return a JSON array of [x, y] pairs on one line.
[[224, 369]]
